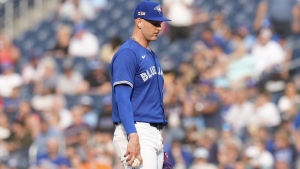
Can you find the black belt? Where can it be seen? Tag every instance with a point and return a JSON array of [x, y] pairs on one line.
[[159, 126]]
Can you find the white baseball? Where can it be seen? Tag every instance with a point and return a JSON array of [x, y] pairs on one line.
[[135, 163]]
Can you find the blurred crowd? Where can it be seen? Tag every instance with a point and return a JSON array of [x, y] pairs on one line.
[[234, 103]]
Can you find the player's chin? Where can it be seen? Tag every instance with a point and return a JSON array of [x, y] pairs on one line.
[[154, 37]]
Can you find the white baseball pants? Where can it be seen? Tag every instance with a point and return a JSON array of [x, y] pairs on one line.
[[151, 143]]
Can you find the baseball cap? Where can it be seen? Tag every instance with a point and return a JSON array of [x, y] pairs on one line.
[[150, 11]]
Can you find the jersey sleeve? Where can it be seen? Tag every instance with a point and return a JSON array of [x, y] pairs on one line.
[[124, 67]]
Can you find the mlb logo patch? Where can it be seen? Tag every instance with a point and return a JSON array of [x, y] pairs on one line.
[[141, 13]]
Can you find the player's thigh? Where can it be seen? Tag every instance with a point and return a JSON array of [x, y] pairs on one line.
[[150, 158], [120, 142], [160, 159]]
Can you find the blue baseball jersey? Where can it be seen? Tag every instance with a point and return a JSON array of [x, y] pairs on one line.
[[139, 68]]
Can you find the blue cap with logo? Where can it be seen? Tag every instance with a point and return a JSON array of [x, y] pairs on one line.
[[151, 11]]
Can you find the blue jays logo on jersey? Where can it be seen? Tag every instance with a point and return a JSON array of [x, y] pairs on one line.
[[158, 9], [151, 71]]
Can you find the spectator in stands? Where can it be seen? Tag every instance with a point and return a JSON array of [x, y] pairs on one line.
[[69, 82], [76, 161], [208, 139], [282, 165], [285, 22], [241, 109], [181, 21], [200, 159], [173, 101], [180, 27], [104, 120], [11, 104], [43, 98], [228, 138], [5, 133], [209, 40], [46, 132], [4, 125], [72, 132], [220, 27], [9, 80], [48, 73], [9, 53], [104, 148], [53, 155], [18, 145], [32, 123], [286, 68], [83, 43], [244, 31], [284, 151], [98, 4], [268, 56], [289, 103], [90, 117], [103, 145], [208, 105], [240, 67], [252, 90], [186, 74], [93, 160], [29, 116], [63, 36], [259, 156], [296, 136], [97, 81], [189, 118], [223, 90], [227, 156], [109, 49], [82, 144], [31, 71], [60, 117], [76, 10], [179, 156], [264, 109]]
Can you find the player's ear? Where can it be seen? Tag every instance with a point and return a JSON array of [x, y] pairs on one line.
[[139, 23]]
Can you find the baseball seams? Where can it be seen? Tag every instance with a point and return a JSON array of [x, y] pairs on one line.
[[135, 163]]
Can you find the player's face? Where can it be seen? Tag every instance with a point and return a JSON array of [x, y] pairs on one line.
[[151, 29]]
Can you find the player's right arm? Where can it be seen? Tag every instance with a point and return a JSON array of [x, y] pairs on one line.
[[123, 93], [123, 73]]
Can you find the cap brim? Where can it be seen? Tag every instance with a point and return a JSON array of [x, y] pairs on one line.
[[158, 19]]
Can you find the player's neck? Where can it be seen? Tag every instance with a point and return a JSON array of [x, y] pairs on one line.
[[141, 40]]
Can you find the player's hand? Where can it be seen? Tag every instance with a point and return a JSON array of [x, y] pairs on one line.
[[133, 149]]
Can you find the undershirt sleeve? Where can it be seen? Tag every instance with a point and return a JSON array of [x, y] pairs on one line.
[[123, 93]]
